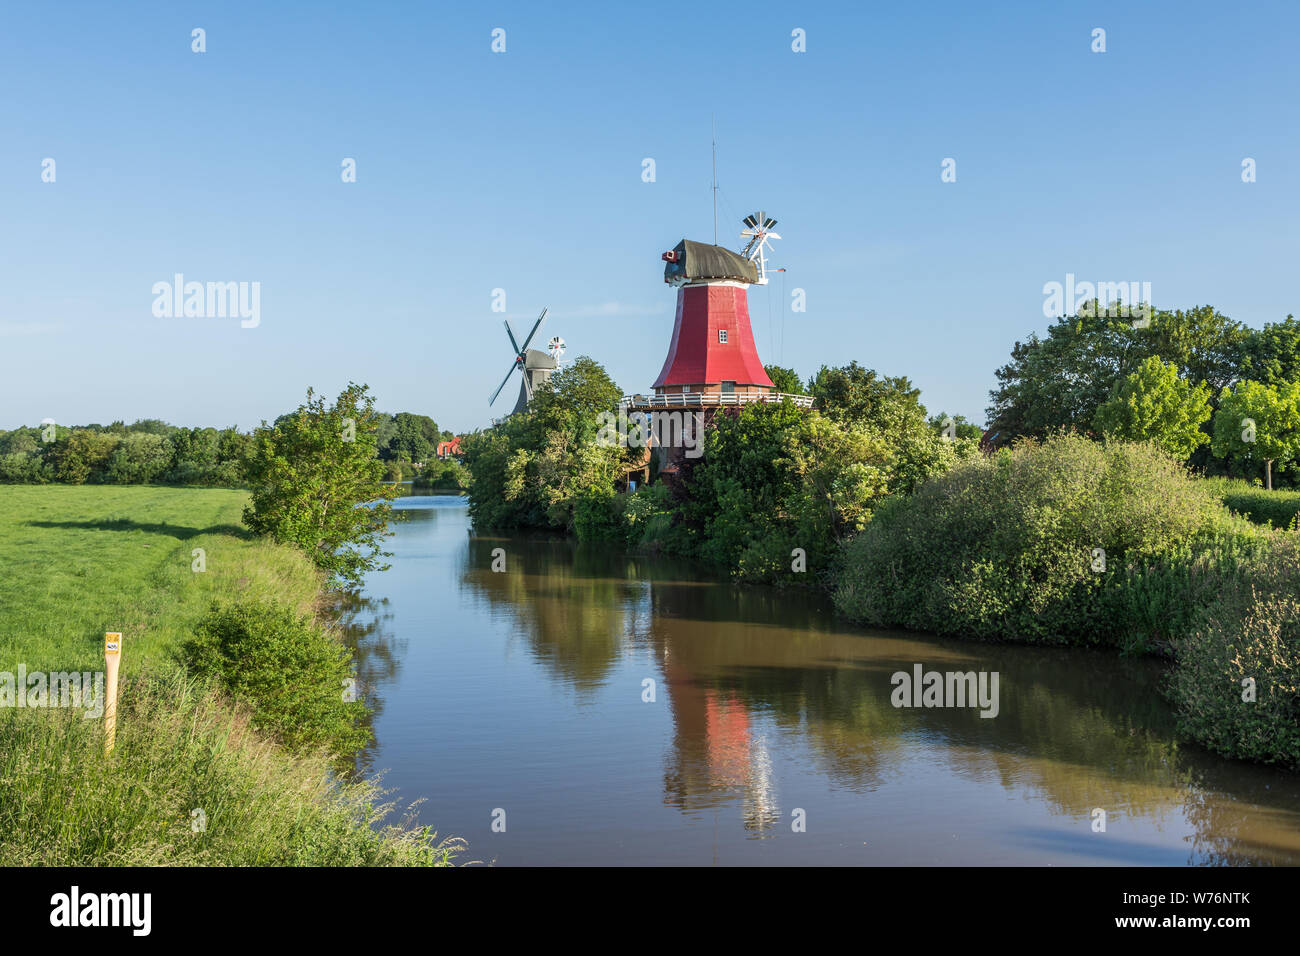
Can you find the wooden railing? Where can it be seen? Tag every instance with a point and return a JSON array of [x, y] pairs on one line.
[[705, 399]]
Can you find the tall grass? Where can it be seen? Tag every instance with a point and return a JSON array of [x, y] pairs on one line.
[[189, 783]]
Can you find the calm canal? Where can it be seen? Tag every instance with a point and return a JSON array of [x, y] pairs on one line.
[[522, 691]]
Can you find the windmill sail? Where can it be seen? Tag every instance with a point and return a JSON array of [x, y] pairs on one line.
[[536, 366]]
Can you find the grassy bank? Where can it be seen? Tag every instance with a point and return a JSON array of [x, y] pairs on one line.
[[82, 560]]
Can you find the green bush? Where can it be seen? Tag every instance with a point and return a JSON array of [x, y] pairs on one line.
[[445, 475], [647, 517], [1003, 548], [1250, 630], [287, 670], [24, 468], [774, 477], [596, 516], [139, 458]]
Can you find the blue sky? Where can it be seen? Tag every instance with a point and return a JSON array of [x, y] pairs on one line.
[[522, 171]]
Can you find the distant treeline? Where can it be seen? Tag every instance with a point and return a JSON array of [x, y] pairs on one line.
[[151, 451]]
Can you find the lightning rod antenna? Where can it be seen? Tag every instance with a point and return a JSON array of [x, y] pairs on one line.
[[713, 118]]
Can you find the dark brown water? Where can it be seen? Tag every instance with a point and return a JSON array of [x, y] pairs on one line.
[[522, 691]]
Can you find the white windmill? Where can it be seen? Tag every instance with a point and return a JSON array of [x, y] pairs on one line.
[[758, 229], [556, 347]]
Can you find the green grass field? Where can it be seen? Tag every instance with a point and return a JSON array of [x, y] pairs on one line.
[[76, 561], [80, 560]]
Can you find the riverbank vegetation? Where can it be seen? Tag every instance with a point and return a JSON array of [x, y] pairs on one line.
[[1114, 500], [1076, 542], [153, 452], [317, 482], [544, 469], [239, 706], [445, 475], [765, 479]]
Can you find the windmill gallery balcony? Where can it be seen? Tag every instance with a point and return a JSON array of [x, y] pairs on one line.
[[710, 399]]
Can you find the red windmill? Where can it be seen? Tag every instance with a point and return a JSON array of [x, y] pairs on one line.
[[712, 361]]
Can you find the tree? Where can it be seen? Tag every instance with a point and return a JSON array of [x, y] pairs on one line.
[[1257, 422], [955, 426], [890, 407], [415, 436], [140, 458], [579, 392], [857, 394], [1272, 355], [1058, 382], [1204, 344], [1155, 404], [842, 472], [82, 455], [775, 478], [785, 379], [316, 482], [194, 455], [533, 469], [20, 441], [151, 426]]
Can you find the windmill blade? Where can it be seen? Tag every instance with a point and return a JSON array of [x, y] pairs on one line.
[[513, 343], [503, 383], [536, 326]]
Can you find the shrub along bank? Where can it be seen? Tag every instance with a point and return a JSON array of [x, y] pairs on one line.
[[292, 674], [1072, 541]]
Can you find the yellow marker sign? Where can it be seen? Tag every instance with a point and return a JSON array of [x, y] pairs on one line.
[[112, 658]]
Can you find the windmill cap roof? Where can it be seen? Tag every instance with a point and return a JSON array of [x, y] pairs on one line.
[[536, 359], [701, 260]]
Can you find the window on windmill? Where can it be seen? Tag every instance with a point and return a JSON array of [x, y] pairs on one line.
[[728, 388], [722, 336]]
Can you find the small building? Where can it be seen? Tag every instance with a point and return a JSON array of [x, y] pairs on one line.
[[449, 449]]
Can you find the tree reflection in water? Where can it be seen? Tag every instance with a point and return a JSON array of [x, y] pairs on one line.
[[745, 667]]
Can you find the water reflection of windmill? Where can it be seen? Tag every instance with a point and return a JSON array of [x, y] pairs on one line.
[[536, 366], [717, 750]]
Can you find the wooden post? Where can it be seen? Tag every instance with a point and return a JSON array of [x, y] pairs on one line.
[[112, 658]]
